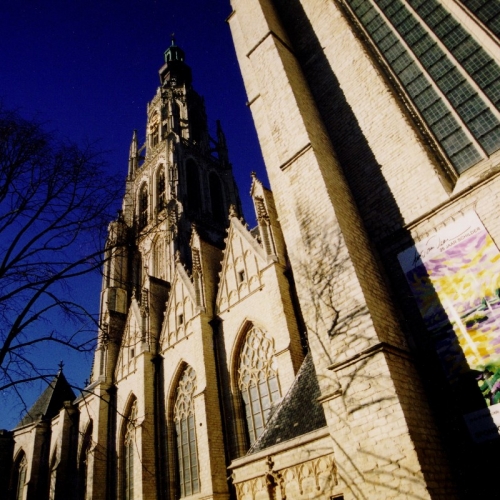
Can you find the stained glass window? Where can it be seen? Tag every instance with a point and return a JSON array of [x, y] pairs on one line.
[[459, 105], [258, 381], [128, 453], [20, 483], [187, 451]]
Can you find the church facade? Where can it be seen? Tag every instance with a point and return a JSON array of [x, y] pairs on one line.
[[346, 347]]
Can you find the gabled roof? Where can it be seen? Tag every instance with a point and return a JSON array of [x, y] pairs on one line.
[[297, 414], [50, 402], [240, 242]]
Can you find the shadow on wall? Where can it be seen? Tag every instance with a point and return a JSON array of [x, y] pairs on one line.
[[450, 397]]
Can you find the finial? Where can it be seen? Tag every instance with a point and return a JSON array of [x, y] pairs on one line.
[[61, 365], [232, 211], [173, 39], [253, 174]]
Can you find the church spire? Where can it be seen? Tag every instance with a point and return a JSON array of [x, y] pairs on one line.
[[132, 157], [222, 145], [175, 72]]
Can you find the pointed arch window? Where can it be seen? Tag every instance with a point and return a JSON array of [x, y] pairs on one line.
[[53, 476], [187, 451], [258, 381], [19, 479], [129, 453], [176, 118], [160, 189], [155, 136], [216, 198], [193, 186], [83, 468], [143, 207], [159, 258]]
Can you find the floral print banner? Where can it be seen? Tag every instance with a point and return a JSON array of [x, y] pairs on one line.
[[454, 276]]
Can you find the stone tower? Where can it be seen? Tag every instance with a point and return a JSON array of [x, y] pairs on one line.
[[179, 179], [179, 189], [200, 342]]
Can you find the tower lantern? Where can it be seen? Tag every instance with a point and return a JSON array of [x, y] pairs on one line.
[[175, 71]]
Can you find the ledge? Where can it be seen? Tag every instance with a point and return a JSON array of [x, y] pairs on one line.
[[368, 352]]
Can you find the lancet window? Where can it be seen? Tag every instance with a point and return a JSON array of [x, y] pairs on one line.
[[53, 477], [143, 207], [159, 258], [193, 186], [216, 198], [19, 480], [258, 381], [160, 189], [83, 468], [129, 452], [187, 451]]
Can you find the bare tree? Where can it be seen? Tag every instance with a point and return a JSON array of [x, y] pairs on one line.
[[55, 202]]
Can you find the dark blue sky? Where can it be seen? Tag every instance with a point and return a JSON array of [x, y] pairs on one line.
[[88, 68]]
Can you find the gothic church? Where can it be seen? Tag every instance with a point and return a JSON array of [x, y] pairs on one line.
[[346, 347]]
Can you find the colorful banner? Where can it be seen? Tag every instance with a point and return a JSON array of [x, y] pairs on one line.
[[454, 276]]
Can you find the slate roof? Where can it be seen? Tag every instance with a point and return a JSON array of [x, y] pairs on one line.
[[47, 406], [298, 413]]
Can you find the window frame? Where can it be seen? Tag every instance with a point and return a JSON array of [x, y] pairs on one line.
[[128, 445], [184, 419], [258, 381]]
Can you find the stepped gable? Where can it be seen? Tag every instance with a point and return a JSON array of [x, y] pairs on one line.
[[50, 402], [298, 413]]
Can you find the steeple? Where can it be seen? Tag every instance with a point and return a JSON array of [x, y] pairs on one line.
[[179, 177], [132, 157], [221, 145], [50, 401], [174, 53], [175, 72]]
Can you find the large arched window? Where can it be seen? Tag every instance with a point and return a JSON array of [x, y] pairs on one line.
[[160, 189], [193, 186], [53, 477], [196, 121], [128, 452], [83, 462], [258, 381], [19, 477], [143, 206], [216, 198], [176, 118], [187, 451]]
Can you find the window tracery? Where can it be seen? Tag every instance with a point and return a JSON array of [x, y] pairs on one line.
[[187, 451], [217, 198], [448, 76], [128, 453], [84, 462], [159, 258], [143, 207], [258, 381], [53, 477], [20, 477], [160, 189], [193, 187]]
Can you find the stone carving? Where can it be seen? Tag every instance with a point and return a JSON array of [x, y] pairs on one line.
[[275, 484]]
